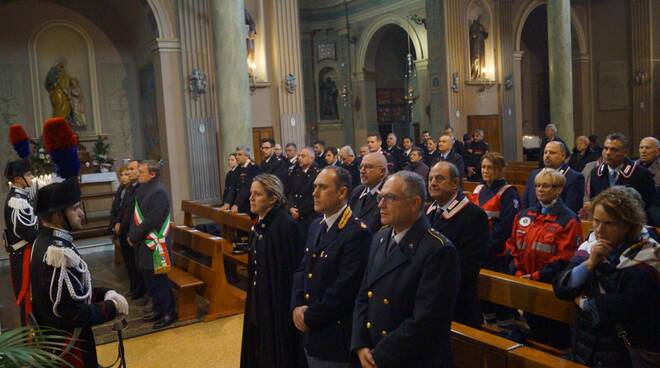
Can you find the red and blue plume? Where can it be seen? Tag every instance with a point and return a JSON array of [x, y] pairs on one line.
[[19, 140], [62, 145]]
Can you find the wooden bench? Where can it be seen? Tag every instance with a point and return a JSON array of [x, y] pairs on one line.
[[185, 285], [203, 255]]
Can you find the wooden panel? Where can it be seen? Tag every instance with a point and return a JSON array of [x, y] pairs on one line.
[[491, 127], [530, 296], [257, 135], [475, 348]]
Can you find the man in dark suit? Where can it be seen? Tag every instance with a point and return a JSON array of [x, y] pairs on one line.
[[363, 202], [246, 172], [466, 225], [445, 148], [417, 164], [432, 156], [319, 153], [329, 276], [272, 163], [554, 157], [407, 144], [395, 151], [457, 146], [351, 164], [403, 310], [550, 136], [299, 186], [375, 144], [618, 169]]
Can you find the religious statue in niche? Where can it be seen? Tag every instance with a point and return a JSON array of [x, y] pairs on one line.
[[478, 37], [328, 99], [250, 35], [66, 96]]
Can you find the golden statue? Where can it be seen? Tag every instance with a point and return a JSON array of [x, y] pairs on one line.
[[65, 96]]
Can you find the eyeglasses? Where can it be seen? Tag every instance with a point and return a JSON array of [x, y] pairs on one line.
[[438, 178], [389, 197], [368, 167]]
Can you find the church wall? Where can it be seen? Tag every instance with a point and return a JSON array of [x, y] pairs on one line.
[[655, 10]]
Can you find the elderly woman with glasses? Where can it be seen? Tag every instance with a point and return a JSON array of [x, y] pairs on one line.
[[543, 240], [269, 335], [613, 280]]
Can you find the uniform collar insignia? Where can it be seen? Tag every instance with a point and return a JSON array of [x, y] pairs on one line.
[[345, 217], [20, 191], [455, 207]]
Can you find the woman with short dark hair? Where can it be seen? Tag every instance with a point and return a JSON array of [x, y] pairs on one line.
[[613, 280], [269, 335]]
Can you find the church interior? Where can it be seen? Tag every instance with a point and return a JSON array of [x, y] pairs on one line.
[[186, 82]]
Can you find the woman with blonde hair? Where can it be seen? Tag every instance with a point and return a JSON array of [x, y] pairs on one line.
[[613, 280]]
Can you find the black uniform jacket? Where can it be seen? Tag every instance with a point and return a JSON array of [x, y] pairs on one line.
[[299, 187], [328, 280], [404, 307], [366, 209], [631, 175], [275, 165], [397, 157], [572, 194], [73, 314], [18, 203], [466, 225], [231, 186], [154, 203], [245, 176]]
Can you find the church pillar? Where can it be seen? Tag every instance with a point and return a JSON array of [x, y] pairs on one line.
[[457, 63], [288, 60], [421, 115], [517, 92], [365, 119], [437, 66], [232, 71], [561, 68], [172, 133], [508, 98], [346, 49], [582, 92], [642, 71]]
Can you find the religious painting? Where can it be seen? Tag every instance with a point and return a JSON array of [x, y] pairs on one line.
[[612, 85], [328, 93]]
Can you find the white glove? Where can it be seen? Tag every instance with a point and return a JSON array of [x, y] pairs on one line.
[[120, 302]]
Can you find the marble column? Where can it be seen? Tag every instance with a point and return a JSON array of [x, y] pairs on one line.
[[366, 117], [437, 67], [288, 60], [422, 87], [517, 92], [232, 74], [582, 104], [561, 68], [171, 130]]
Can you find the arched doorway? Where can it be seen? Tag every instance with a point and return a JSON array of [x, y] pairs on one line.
[[388, 59], [531, 72]]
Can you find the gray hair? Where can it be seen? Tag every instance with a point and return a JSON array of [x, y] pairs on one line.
[[309, 150], [553, 127], [414, 185], [618, 137], [347, 150], [246, 149], [273, 186], [652, 139], [153, 166]]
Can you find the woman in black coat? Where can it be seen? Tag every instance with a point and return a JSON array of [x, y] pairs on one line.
[[269, 335], [613, 280], [231, 183]]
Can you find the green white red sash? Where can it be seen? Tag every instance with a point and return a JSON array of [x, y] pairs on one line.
[[156, 242]]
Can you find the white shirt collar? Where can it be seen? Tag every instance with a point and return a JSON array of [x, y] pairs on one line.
[[408, 151], [293, 159], [247, 163], [399, 237], [373, 190], [330, 220], [610, 168]]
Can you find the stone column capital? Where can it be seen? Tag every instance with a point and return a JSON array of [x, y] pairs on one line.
[[159, 45], [365, 75], [581, 58], [422, 64], [518, 55]]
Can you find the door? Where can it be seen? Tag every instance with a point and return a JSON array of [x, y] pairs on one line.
[[257, 135]]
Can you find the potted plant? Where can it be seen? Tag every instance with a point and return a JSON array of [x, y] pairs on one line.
[[33, 347]]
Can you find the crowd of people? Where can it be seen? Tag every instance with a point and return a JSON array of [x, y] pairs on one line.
[[314, 280], [365, 257]]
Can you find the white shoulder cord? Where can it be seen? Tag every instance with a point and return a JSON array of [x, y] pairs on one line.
[[25, 216], [65, 278]]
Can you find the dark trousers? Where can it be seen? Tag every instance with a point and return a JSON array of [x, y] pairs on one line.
[[16, 266], [160, 290], [134, 275]]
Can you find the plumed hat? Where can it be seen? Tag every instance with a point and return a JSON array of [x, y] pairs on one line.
[[20, 141], [62, 145]]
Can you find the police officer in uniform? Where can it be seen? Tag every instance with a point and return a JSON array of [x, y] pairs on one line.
[[21, 223], [403, 310], [62, 294], [327, 281], [466, 225], [272, 163], [299, 187], [246, 172], [373, 171]]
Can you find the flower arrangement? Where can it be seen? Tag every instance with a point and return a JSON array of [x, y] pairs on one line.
[[39, 160]]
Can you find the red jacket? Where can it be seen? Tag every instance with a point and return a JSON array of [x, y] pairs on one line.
[[542, 244]]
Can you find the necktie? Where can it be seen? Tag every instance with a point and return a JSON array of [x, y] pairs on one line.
[[438, 214], [363, 199], [614, 175], [390, 247], [322, 232]]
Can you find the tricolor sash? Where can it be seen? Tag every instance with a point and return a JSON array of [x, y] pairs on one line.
[[156, 242]]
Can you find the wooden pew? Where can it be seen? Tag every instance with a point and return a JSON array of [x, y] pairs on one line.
[[526, 357], [230, 223], [202, 255], [530, 296], [185, 285]]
